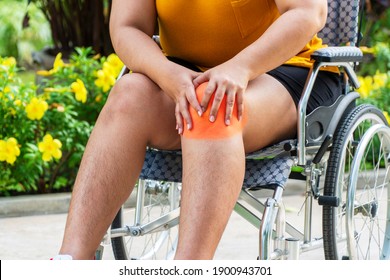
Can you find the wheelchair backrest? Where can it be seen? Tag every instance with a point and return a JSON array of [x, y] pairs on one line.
[[342, 23], [341, 28]]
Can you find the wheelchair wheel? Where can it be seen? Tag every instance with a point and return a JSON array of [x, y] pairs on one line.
[[154, 200], [370, 213]]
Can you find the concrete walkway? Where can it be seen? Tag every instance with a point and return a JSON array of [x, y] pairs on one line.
[[31, 228]]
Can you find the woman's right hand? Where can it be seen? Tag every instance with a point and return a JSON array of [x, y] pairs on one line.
[[177, 84]]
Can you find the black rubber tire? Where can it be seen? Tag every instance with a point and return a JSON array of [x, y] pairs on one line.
[[363, 114], [118, 244]]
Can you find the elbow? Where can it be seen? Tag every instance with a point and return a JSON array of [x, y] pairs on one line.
[[317, 14], [313, 15], [321, 14]]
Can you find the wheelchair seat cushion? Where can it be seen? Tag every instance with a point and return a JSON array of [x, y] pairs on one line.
[[261, 170]]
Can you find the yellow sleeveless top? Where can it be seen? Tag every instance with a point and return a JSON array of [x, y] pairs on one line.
[[210, 32]]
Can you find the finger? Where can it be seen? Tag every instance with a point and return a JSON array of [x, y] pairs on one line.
[[230, 98], [183, 108], [240, 104], [179, 119], [218, 97], [208, 92], [203, 78], [192, 99]]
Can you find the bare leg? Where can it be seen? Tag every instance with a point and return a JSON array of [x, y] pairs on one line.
[[131, 120], [213, 170]]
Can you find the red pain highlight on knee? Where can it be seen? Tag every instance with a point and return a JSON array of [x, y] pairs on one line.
[[203, 128]]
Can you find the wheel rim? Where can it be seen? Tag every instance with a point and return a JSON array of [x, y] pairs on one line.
[[366, 213], [367, 216], [159, 199]]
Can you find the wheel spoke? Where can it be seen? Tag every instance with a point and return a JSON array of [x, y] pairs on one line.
[[159, 199]]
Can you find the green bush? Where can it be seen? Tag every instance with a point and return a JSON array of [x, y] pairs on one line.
[[45, 126], [18, 41], [374, 71]]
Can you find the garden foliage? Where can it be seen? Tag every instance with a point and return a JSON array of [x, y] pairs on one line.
[[374, 72], [44, 126]]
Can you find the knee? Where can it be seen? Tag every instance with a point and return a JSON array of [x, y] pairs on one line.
[[127, 95], [203, 128]]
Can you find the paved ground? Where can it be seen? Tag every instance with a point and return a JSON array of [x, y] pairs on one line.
[[38, 236]]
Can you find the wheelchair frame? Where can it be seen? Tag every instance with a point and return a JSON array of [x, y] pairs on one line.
[[278, 238]]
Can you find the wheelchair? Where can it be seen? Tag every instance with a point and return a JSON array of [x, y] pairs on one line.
[[341, 152]]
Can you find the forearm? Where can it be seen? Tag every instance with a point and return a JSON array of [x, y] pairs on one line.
[[284, 38], [140, 53]]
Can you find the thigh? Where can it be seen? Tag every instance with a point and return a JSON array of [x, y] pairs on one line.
[[271, 113]]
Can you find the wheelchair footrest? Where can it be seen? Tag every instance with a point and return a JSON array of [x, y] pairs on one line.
[[327, 200]]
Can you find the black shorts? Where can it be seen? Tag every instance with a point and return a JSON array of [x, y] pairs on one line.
[[326, 89]]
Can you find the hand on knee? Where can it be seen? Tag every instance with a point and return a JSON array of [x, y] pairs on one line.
[[203, 128]]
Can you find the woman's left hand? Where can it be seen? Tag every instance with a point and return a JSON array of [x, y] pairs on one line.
[[225, 79]]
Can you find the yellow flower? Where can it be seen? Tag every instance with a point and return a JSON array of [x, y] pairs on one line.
[[386, 114], [18, 102], [105, 78], [370, 84], [114, 62], [9, 62], [58, 90], [6, 90], [367, 50], [58, 63], [365, 86], [50, 89], [36, 109], [44, 73], [9, 150], [50, 148], [379, 80], [80, 91]]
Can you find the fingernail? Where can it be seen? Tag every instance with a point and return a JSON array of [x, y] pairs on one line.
[[180, 131], [227, 122], [212, 119], [200, 113], [177, 126], [188, 126]]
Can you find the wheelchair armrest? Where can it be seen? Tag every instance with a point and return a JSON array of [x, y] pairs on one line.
[[338, 54]]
